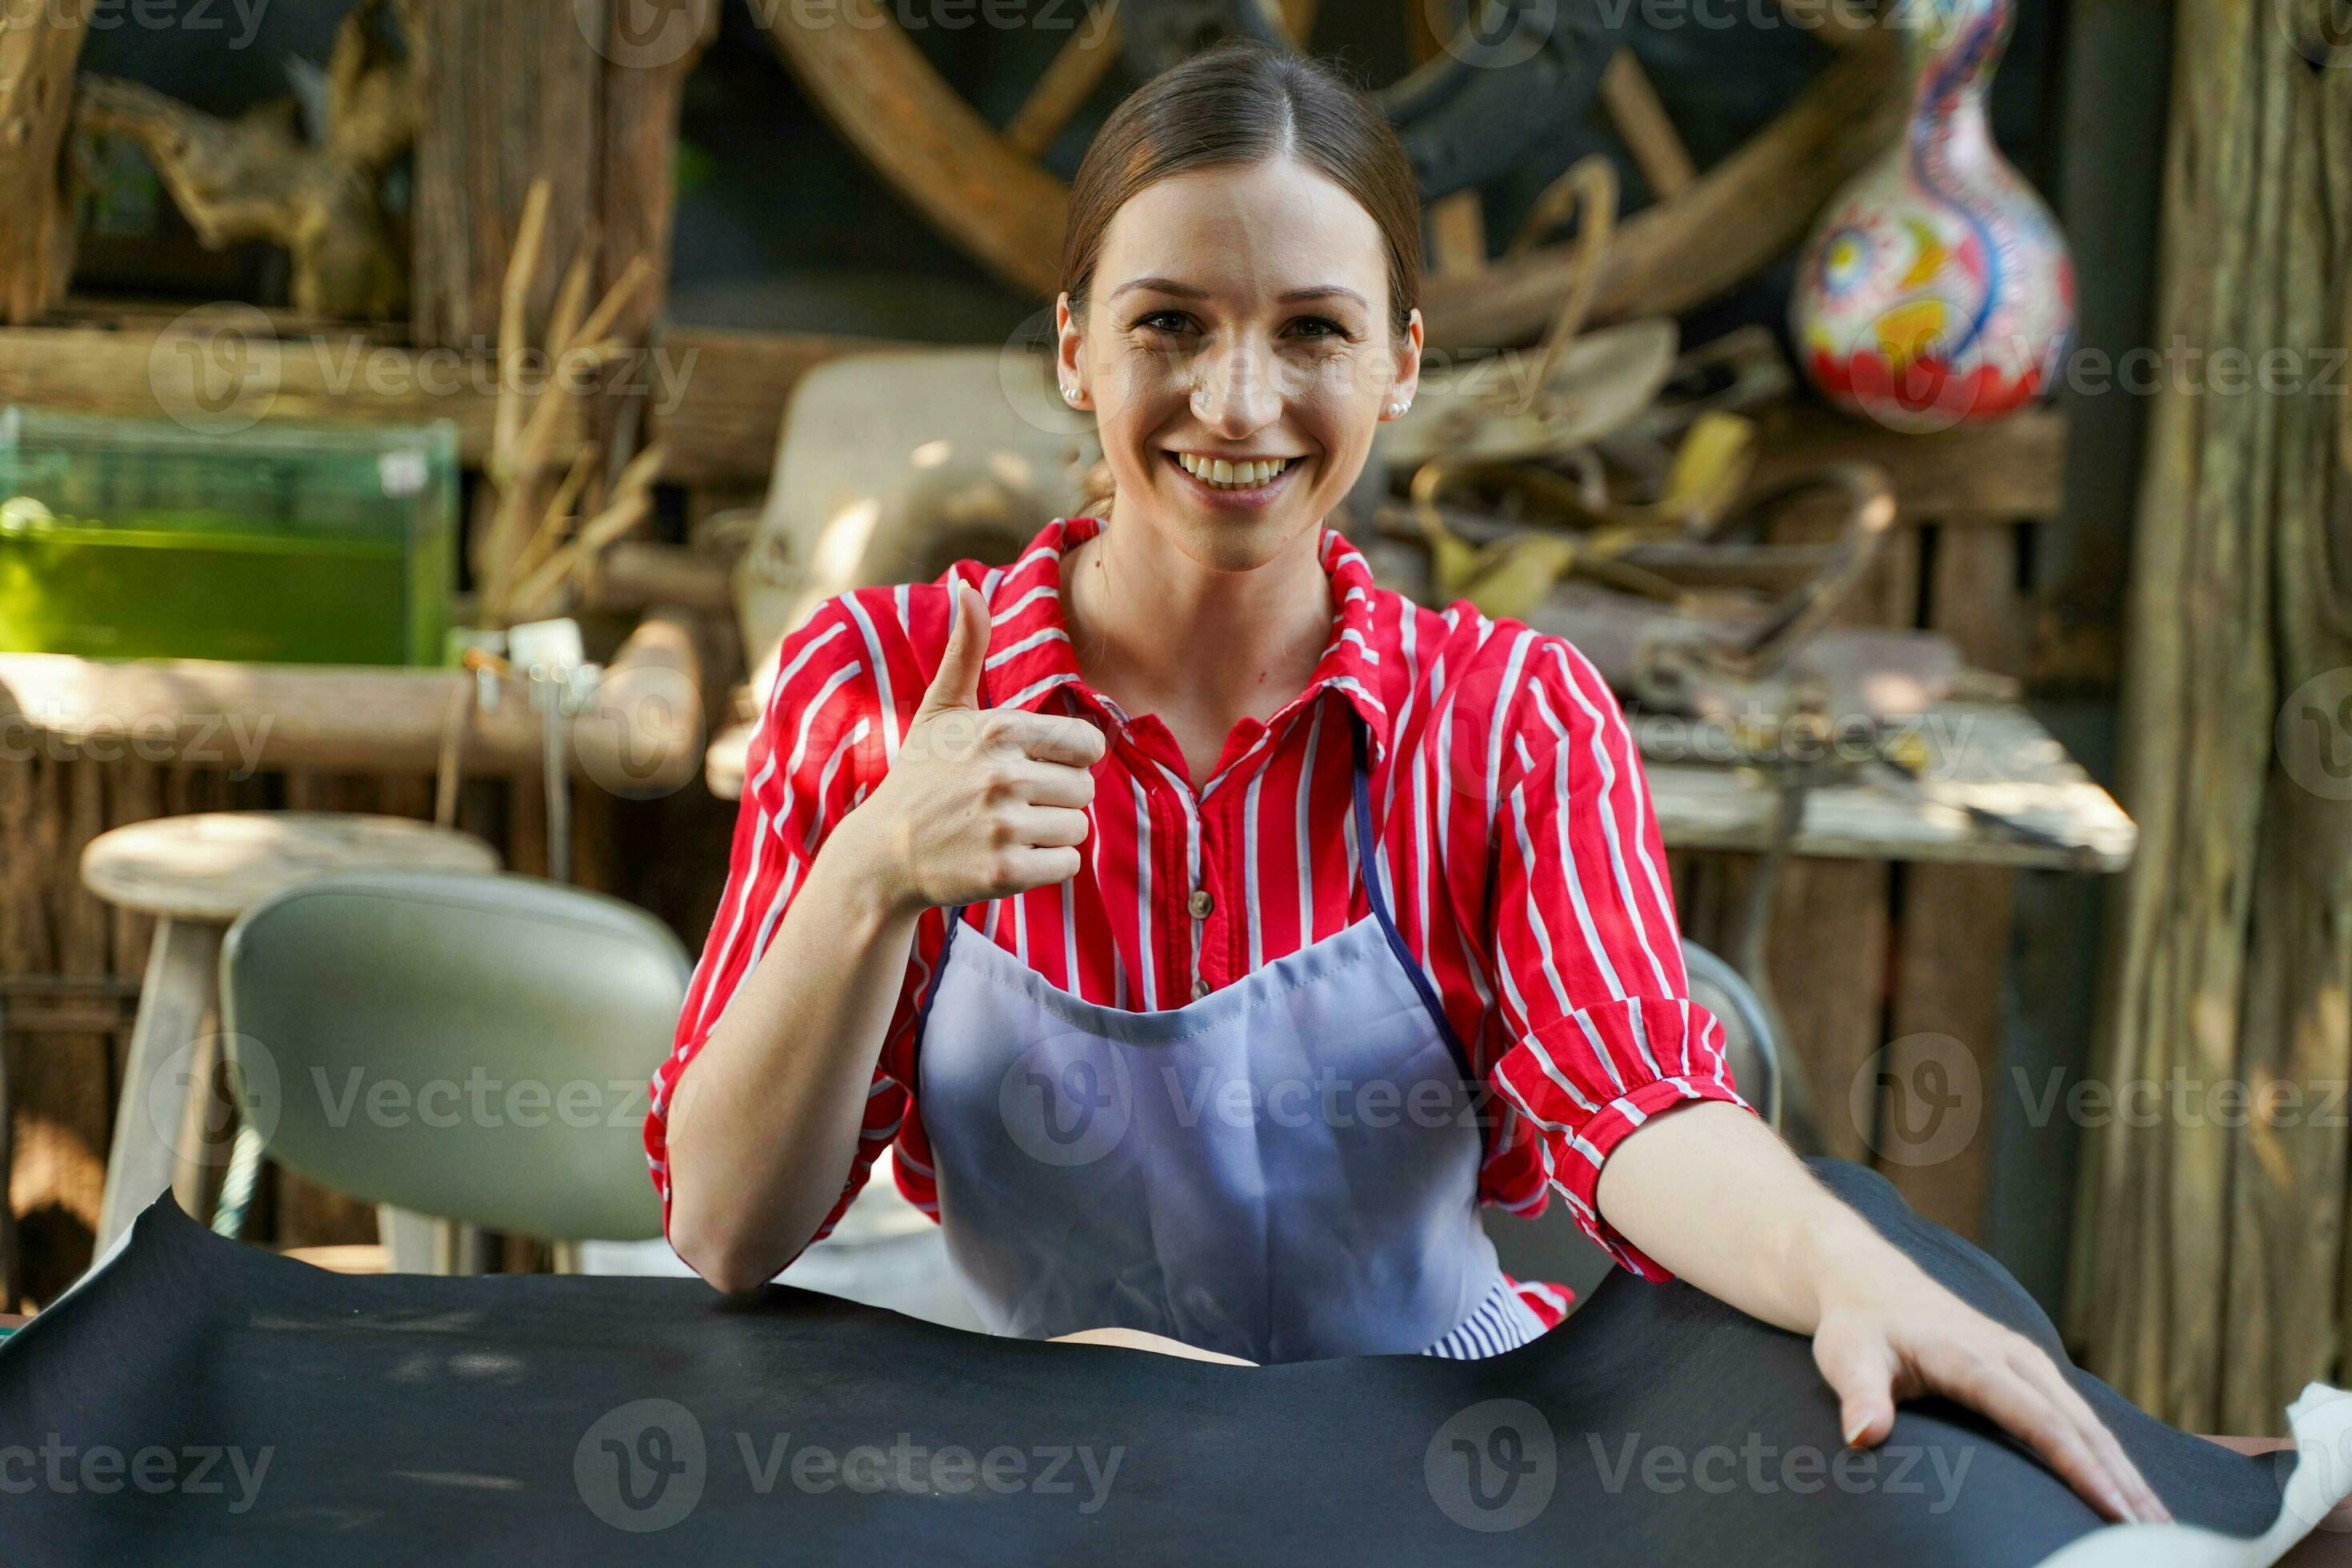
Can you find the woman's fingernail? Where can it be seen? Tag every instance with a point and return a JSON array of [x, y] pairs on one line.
[[1858, 1428]]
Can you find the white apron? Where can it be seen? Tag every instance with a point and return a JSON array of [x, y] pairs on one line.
[[1284, 1170]]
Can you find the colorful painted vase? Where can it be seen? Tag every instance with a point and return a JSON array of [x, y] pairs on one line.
[[1936, 289]]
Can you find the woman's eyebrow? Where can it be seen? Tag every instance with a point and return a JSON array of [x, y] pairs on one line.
[[1193, 291]]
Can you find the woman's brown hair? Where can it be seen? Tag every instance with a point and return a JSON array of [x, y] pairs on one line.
[[1242, 103]]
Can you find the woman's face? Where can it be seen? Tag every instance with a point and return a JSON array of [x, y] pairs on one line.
[[1239, 314]]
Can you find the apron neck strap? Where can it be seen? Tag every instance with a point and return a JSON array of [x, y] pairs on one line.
[[1367, 860]]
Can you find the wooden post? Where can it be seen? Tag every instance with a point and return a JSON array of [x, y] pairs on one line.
[[38, 45], [1831, 929], [2210, 1259], [649, 46], [1955, 919], [585, 95], [511, 92]]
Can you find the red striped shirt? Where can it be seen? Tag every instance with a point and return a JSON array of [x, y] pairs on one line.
[[1525, 869]]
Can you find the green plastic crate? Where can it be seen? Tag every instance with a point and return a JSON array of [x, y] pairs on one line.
[[299, 543]]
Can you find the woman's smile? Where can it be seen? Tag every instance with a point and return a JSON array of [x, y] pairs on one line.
[[1233, 484]]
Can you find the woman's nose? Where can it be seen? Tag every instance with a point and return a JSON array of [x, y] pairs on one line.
[[1238, 393]]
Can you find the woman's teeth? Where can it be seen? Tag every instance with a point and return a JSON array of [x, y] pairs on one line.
[[1223, 475]]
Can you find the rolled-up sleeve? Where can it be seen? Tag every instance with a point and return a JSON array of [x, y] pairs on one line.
[[1589, 980], [802, 775]]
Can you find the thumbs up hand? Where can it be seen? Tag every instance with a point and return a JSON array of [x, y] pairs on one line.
[[955, 683], [980, 803]]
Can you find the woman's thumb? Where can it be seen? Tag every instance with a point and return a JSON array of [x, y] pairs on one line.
[[955, 683], [1860, 1371]]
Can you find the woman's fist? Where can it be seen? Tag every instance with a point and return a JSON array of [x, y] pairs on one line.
[[981, 801]]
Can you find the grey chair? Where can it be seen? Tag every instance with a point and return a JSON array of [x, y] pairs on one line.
[[474, 1049], [1552, 1246], [1751, 1048]]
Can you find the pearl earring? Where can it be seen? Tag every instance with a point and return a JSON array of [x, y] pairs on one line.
[[1397, 408], [1069, 392]]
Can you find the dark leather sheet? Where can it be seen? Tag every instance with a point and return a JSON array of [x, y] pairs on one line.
[[258, 1410]]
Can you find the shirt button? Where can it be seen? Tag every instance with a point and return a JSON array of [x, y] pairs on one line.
[[1199, 989], [1200, 903]]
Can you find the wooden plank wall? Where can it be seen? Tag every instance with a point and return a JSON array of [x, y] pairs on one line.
[[1866, 957], [1954, 921], [63, 1085]]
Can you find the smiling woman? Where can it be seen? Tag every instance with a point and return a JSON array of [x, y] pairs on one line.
[[1211, 931]]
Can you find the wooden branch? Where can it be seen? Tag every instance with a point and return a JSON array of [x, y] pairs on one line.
[[518, 561], [558, 515], [1641, 121], [643, 734], [372, 111], [160, 371], [877, 87], [1998, 473], [258, 177], [623, 293], [1458, 233], [636, 573], [514, 301], [632, 502], [37, 50], [1077, 67], [243, 717]]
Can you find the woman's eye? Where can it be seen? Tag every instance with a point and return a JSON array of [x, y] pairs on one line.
[[1320, 327], [1163, 320]]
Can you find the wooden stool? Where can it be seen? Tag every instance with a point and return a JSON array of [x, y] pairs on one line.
[[196, 874]]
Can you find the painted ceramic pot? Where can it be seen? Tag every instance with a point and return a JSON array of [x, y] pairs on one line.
[[1936, 289]]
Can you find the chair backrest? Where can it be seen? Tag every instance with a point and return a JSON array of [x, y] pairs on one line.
[[1751, 1049], [471, 1046]]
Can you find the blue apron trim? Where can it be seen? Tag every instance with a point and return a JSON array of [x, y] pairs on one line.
[[938, 967], [1367, 853]]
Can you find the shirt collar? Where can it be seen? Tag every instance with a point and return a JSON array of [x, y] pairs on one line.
[[1030, 655]]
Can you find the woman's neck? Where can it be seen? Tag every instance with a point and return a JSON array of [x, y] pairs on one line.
[[1160, 633]]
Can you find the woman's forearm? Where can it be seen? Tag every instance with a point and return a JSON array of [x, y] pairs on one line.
[[1713, 1194], [763, 1122]]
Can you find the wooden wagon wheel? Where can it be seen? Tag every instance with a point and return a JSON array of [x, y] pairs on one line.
[[986, 187]]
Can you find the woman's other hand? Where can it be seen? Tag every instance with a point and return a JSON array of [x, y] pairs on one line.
[[980, 803], [1711, 1194], [1889, 1332]]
